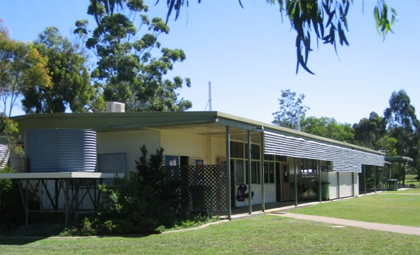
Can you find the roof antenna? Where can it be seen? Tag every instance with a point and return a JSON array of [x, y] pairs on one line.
[[209, 102], [210, 108]]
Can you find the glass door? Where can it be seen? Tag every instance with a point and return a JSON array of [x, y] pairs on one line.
[[237, 177], [285, 173]]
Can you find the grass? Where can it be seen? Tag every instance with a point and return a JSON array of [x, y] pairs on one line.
[[52, 225], [46, 229], [392, 207], [411, 181], [256, 235], [268, 234]]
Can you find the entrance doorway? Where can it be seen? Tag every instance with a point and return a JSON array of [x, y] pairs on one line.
[[237, 173], [282, 182], [184, 161]]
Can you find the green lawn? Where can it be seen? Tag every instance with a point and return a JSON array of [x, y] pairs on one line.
[[410, 179], [256, 235], [268, 234], [393, 207]]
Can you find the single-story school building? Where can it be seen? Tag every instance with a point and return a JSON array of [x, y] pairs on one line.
[[228, 161]]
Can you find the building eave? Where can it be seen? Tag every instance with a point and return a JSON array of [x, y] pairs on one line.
[[109, 122]]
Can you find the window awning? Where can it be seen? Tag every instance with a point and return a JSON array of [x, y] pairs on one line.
[[344, 159]]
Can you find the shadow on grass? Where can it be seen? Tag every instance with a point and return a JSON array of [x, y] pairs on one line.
[[23, 235], [19, 240]]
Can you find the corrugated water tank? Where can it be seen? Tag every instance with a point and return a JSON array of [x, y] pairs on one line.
[[4, 156], [60, 150]]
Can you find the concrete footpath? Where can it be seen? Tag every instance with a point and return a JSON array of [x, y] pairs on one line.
[[353, 223]]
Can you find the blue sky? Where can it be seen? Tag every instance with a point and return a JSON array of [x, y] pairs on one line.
[[249, 55]]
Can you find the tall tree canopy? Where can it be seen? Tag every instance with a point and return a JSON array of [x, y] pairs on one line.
[[400, 113], [21, 67], [326, 20], [291, 110], [371, 133], [369, 130], [328, 127], [403, 125], [70, 81], [126, 68]]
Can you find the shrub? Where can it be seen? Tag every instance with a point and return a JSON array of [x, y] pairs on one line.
[[143, 203]]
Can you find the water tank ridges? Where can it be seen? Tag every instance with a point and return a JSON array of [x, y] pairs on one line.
[[4, 155], [61, 150]]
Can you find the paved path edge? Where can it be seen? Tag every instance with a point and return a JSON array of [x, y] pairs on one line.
[[354, 223]]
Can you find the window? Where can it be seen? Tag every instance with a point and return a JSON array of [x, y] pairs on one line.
[[112, 163], [240, 150], [255, 151], [236, 150], [268, 172], [309, 166], [326, 166], [239, 171], [286, 173], [255, 172], [281, 158], [268, 157]]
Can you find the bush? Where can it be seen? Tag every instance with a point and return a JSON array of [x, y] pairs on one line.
[[90, 226], [5, 184], [143, 203], [11, 206]]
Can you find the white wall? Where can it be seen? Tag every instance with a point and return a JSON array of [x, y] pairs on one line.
[[208, 148], [348, 187], [218, 149], [185, 144], [356, 184], [173, 142], [346, 184], [270, 194], [129, 142], [332, 178]]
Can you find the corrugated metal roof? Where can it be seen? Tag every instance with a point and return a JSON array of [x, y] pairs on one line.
[[211, 123], [343, 158]]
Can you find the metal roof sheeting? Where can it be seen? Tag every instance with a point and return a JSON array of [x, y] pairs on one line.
[[344, 159], [280, 140]]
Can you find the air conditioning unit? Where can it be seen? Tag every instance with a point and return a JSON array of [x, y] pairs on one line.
[[115, 107]]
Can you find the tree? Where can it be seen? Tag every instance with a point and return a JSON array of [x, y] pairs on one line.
[[326, 18], [369, 131], [328, 127], [401, 113], [125, 67], [70, 81], [21, 67], [403, 125], [387, 144], [291, 110]]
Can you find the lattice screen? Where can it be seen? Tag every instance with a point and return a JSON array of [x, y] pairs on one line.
[[203, 187]]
